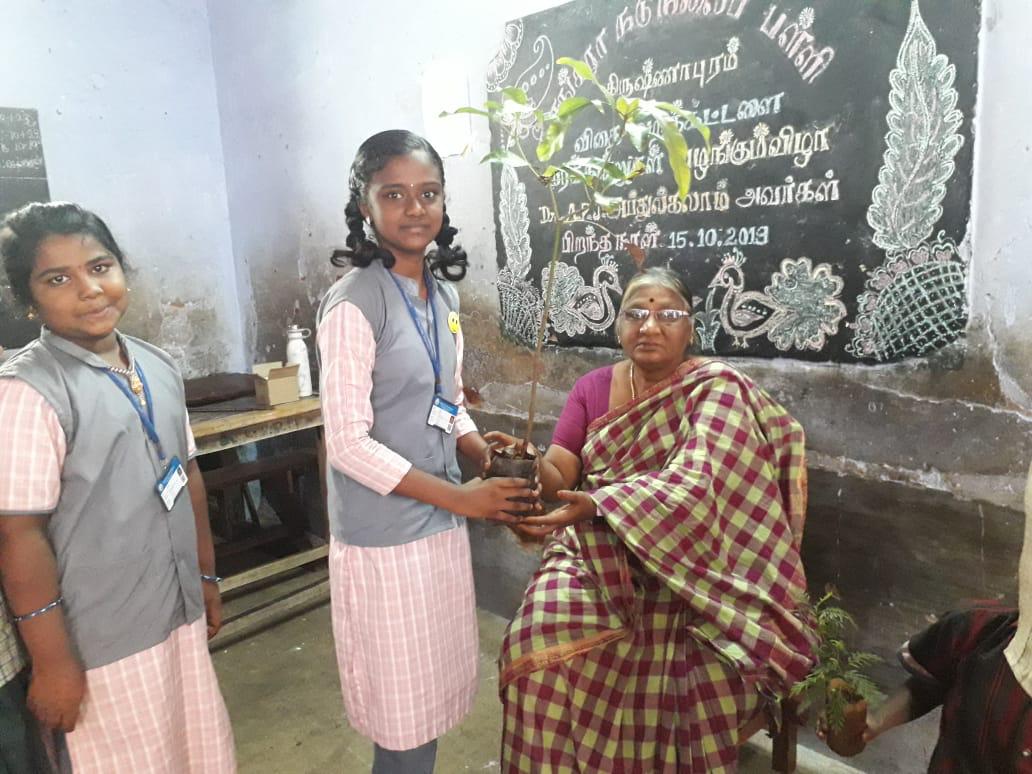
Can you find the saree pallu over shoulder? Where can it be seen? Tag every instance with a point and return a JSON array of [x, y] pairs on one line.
[[701, 491]]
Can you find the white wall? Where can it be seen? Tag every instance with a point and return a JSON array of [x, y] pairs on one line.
[[126, 100], [1002, 265]]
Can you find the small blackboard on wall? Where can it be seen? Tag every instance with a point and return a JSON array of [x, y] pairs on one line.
[[23, 179], [825, 216], [23, 172]]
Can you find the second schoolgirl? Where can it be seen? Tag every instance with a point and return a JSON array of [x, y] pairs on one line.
[[106, 554]]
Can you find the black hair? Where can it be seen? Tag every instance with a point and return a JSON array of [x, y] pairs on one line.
[[447, 261], [23, 230]]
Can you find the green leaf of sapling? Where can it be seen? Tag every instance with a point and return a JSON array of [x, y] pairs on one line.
[[571, 106], [581, 68], [515, 94], [504, 157]]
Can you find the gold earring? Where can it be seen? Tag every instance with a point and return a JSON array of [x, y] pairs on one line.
[[30, 314]]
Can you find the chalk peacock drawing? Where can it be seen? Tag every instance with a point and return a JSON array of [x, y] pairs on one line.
[[799, 309], [577, 306]]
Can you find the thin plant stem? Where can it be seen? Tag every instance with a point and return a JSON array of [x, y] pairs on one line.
[[542, 332], [542, 328]]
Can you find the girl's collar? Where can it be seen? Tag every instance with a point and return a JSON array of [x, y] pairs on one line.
[[52, 340], [410, 285]]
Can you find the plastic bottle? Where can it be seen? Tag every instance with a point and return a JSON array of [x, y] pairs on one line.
[[297, 352]]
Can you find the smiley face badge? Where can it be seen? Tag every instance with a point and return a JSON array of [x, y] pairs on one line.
[[453, 322]]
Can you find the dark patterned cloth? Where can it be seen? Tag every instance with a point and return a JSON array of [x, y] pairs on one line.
[[958, 662], [646, 634], [12, 660], [21, 746]]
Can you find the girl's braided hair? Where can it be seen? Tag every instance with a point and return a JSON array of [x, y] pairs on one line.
[[447, 261]]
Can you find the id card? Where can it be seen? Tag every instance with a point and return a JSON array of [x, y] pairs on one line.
[[442, 414], [171, 484]]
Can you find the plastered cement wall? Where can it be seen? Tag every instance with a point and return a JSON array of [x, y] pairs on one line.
[[130, 127]]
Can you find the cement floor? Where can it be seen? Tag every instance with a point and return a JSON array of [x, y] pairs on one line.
[[283, 694]]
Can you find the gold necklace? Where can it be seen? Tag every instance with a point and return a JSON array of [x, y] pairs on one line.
[[135, 384], [634, 392]]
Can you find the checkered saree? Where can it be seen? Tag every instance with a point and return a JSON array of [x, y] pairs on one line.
[[646, 635]]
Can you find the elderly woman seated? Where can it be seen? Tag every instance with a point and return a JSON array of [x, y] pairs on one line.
[[664, 610]]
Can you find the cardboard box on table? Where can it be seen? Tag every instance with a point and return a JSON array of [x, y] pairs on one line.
[[275, 383]]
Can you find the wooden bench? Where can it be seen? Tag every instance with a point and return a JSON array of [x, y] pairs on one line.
[[278, 474]]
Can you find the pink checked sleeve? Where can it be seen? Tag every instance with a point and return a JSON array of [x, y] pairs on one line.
[[348, 351], [463, 422], [32, 450]]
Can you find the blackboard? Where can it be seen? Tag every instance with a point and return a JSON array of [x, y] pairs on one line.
[[825, 217], [23, 179]]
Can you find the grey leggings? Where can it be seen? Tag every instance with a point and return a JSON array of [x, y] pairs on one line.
[[419, 760]]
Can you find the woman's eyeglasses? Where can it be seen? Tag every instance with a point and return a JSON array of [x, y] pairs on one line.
[[663, 316]]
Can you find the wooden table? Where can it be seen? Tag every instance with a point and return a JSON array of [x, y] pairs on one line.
[[233, 423], [230, 424]]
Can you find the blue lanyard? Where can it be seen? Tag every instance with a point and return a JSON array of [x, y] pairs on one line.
[[147, 419], [432, 349]]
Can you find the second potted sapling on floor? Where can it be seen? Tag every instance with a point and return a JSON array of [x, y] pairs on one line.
[[635, 124], [838, 684]]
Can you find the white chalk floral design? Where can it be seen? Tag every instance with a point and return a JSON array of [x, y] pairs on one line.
[[800, 308], [810, 296], [500, 66], [916, 302]]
